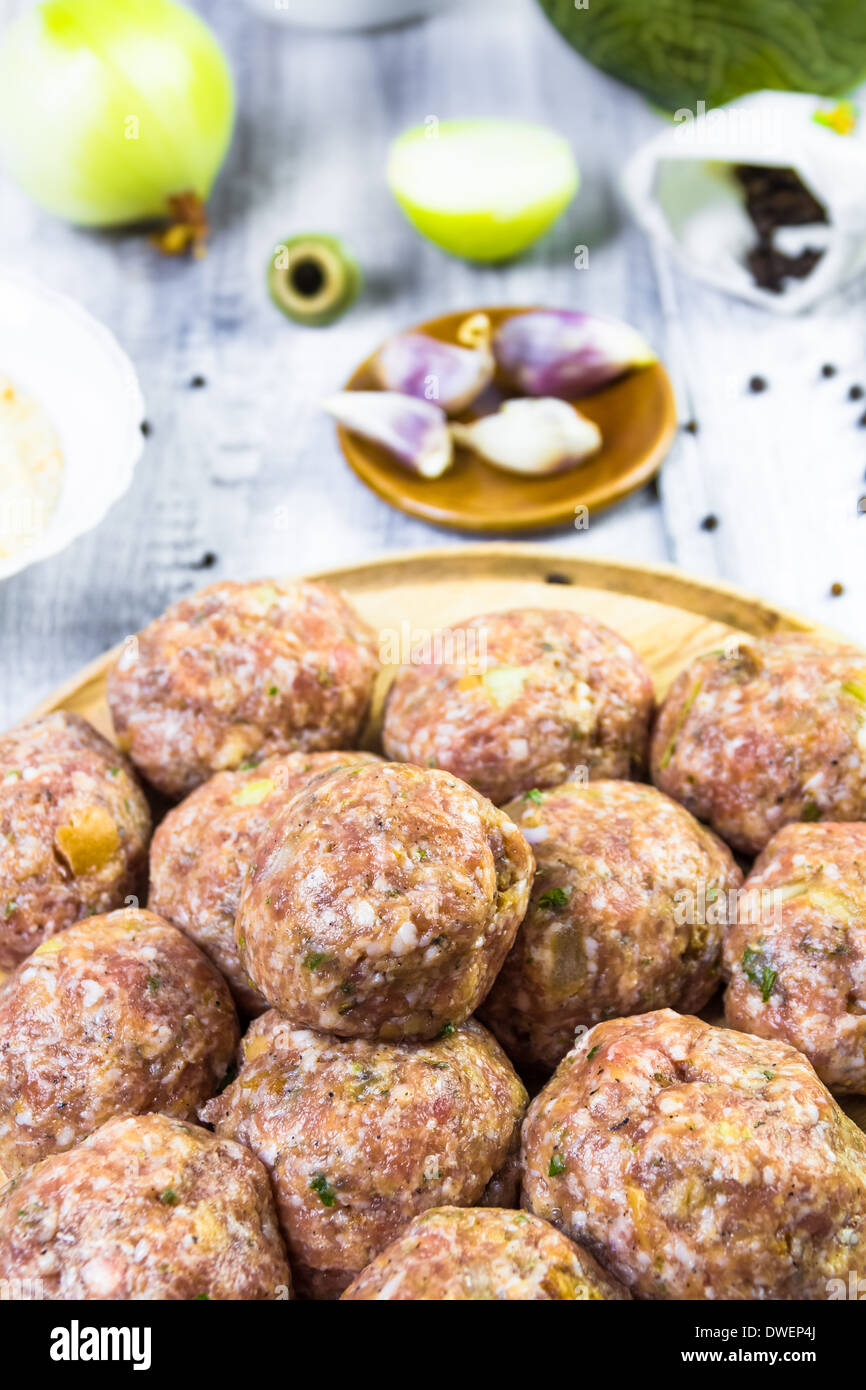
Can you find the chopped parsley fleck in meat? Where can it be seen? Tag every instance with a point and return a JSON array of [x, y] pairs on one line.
[[168, 1197], [758, 971], [681, 719], [557, 1166], [448, 1030], [314, 959], [533, 795], [153, 983], [555, 899], [592, 1051], [320, 1184]]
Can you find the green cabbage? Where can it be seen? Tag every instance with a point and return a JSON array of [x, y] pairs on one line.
[[680, 52]]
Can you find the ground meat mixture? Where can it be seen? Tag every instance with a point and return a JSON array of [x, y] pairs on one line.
[[534, 695], [698, 1163], [361, 1136], [74, 830], [482, 1254], [117, 1015], [624, 915], [751, 738], [203, 848], [147, 1208], [241, 671], [383, 902], [796, 956]]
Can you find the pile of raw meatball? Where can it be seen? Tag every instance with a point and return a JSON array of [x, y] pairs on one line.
[[411, 943]]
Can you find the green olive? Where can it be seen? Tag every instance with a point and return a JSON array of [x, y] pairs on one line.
[[313, 279]]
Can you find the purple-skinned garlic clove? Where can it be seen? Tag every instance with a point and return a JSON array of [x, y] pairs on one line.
[[565, 353], [415, 432], [537, 436], [449, 375]]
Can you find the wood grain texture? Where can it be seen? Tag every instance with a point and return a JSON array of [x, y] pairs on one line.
[[248, 470]]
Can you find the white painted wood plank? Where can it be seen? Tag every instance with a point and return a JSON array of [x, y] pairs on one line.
[[227, 465]]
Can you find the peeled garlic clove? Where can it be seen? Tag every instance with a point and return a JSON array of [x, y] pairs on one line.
[[449, 375], [532, 436], [565, 353], [415, 432]]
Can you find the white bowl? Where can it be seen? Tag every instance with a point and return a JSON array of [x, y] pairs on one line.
[[347, 14], [86, 385]]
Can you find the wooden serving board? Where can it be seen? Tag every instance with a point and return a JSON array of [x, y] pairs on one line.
[[668, 616]]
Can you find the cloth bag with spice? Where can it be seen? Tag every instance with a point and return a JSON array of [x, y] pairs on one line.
[[764, 198]]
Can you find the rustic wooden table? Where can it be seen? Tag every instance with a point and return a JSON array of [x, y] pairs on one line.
[[247, 470]]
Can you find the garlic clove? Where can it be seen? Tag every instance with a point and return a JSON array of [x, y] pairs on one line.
[[565, 353], [450, 375], [414, 431], [537, 436]]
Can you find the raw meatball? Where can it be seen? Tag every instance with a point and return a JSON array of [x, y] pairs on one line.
[[623, 916], [203, 848], [361, 1136], [146, 1208], [482, 1254], [383, 902], [698, 1163], [241, 671], [117, 1015], [74, 830], [773, 731], [796, 957], [538, 694]]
